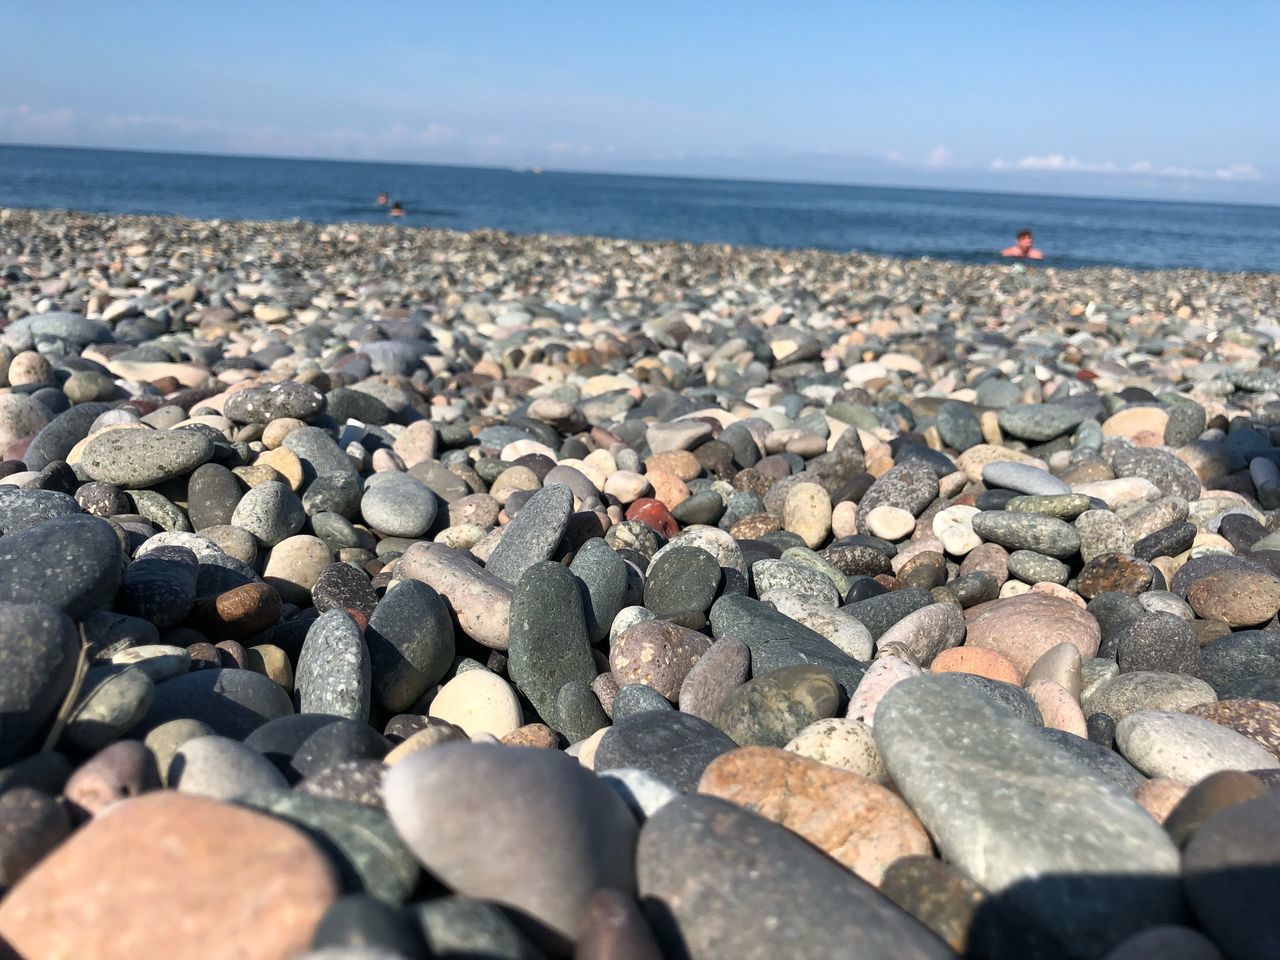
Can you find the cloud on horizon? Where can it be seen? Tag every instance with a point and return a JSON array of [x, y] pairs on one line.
[[1061, 163]]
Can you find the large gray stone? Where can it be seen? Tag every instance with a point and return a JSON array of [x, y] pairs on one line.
[[530, 829], [1001, 802], [721, 883]]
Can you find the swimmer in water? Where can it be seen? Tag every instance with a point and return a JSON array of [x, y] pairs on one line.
[[396, 210], [1024, 247], [382, 199]]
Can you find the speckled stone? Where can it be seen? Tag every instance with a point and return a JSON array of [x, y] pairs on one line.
[[658, 654], [334, 672], [717, 877], [772, 709], [1259, 720], [136, 459], [997, 799]]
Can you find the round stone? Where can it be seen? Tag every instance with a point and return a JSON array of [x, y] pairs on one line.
[[398, 505], [244, 884], [658, 654], [479, 702]]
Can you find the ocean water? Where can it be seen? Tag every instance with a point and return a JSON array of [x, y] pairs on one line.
[[904, 222]]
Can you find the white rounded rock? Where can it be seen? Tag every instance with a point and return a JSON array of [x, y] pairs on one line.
[[954, 527], [890, 523], [479, 702]]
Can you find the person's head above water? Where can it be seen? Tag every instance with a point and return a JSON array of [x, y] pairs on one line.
[[396, 210], [1023, 247], [382, 199]]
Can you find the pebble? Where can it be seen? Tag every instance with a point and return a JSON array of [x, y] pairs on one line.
[[410, 643], [1025, 628], [334, 673], [995, 798], [850, 818], [94, 896], [438, 799], [1162, 743], [721, 880]]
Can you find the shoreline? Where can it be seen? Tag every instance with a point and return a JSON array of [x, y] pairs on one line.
[[862, 257]]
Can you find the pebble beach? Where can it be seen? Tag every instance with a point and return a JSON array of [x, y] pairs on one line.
[[376, 593]]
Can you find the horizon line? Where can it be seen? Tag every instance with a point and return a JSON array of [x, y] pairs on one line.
[[509, 168]]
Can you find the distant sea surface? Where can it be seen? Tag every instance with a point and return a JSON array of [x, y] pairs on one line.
[[943, 224]]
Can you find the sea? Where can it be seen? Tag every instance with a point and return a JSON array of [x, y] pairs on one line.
[[940, 224]]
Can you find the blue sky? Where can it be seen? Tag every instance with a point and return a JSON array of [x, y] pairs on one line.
[[1134, 98]]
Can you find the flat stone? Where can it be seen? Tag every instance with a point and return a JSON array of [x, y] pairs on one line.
[[850, 818], [997, 800], [411, 644], [441, 799], [275, 401], [137, 459], [717, 881], [1039, 422], [1023, 478], [533, 535], [1162, 743], [244, 884], [1027, 531], [672, 747]]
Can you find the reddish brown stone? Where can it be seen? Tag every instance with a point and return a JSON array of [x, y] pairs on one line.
[[533, 735], [174, 876], [852, 819], [1115, 573], [650, 511], [237, 613], [125, 769], [1242, 598]]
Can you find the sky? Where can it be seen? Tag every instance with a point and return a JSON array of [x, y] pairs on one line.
[[1174, 99]]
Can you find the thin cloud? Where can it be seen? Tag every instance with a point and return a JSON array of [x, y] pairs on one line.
[[939, 156], [1061, 163]]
